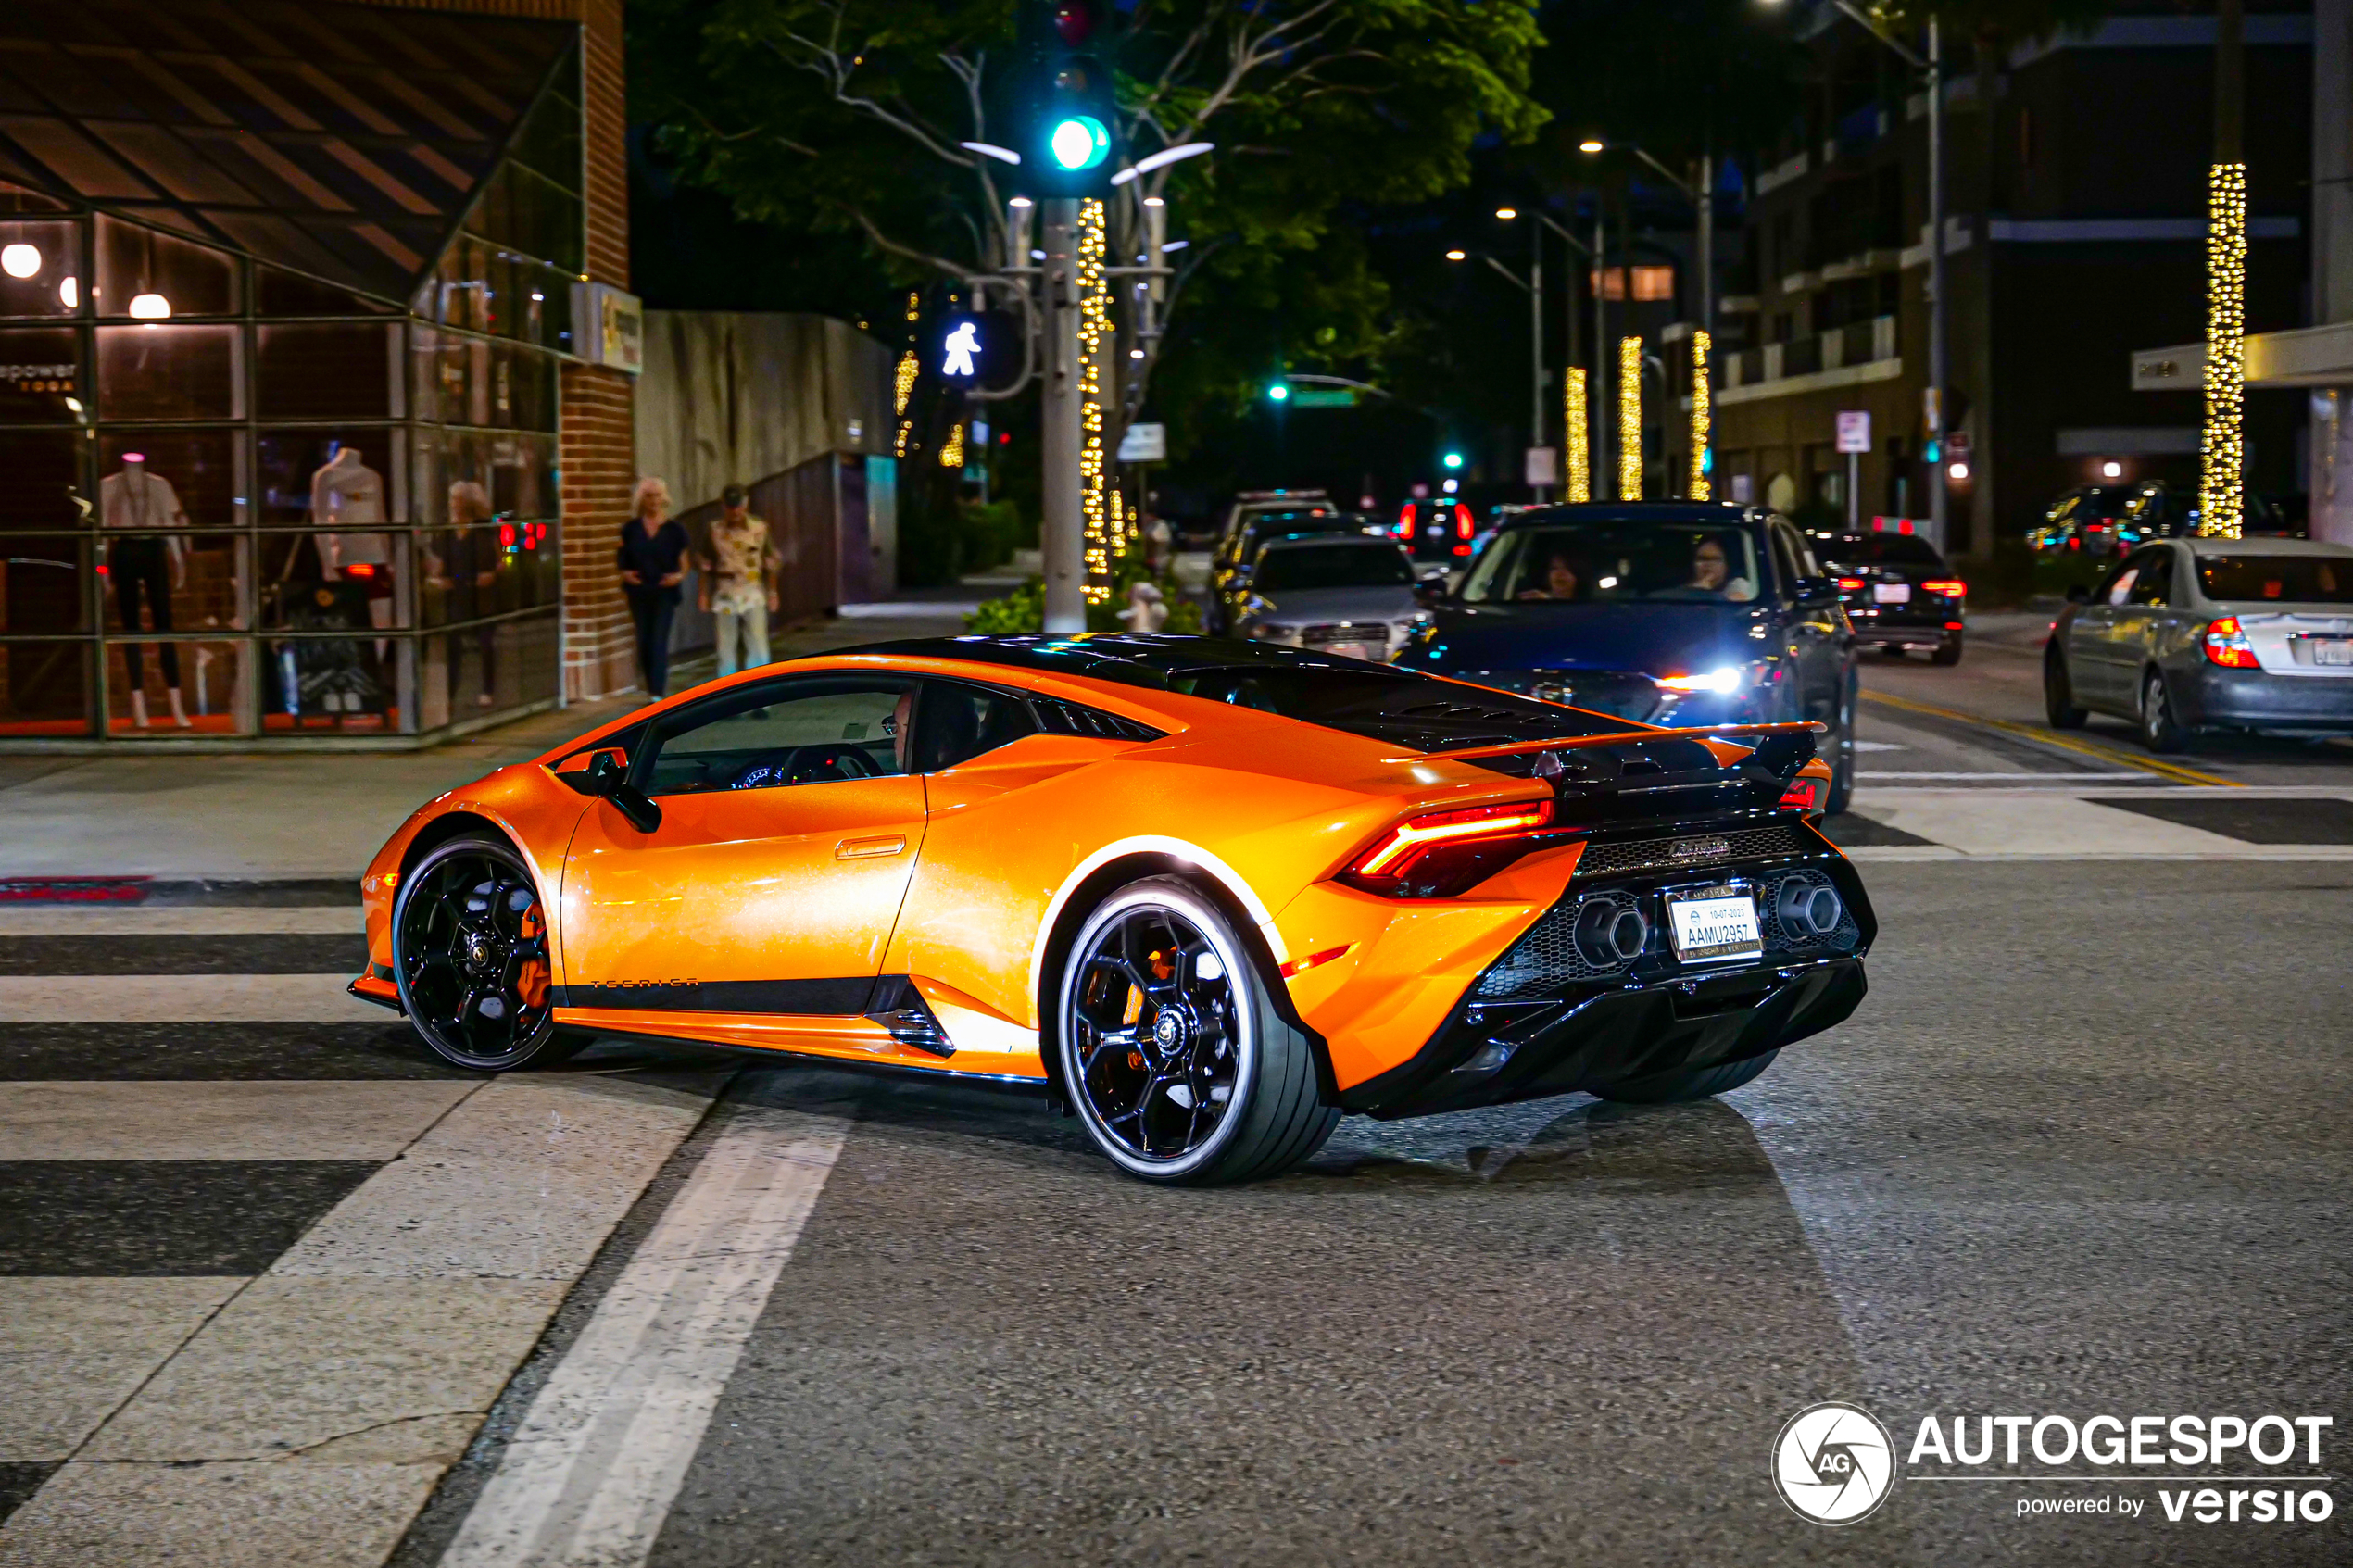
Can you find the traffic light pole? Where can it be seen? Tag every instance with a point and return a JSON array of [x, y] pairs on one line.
[[1062, 531]]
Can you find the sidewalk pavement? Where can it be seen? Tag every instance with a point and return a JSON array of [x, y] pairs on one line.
[[299, 816]]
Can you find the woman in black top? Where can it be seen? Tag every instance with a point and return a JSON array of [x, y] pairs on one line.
[[652, 559]]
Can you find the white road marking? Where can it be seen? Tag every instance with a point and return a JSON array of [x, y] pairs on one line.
[[1880, 746], [2012, 778], [185, 998], [291, 1119], [591, 1473], [199, 920]]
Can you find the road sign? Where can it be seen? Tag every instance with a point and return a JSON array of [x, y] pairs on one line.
[[1144, 443], [1854, 429], [1540, 465], [1323, 398]]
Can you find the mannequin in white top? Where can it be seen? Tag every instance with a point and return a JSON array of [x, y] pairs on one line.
[[145, 564], [348, 494]]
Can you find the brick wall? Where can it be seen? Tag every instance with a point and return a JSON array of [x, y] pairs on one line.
[[598, 449]]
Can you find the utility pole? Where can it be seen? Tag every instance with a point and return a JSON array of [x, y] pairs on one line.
[[1063, 530], [1940, 501], [1536, 344]]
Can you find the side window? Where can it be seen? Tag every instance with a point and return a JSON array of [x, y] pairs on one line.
[[2119, 585], [2153, 585], [1785, 559], [792, 732], [955, 723]]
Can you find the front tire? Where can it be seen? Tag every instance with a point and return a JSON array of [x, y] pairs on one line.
[[470, 954], [1668, 1088], [1175, 1058], [2160, 731], [2059, 693]]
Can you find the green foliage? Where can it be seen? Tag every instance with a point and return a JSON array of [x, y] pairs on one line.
[[1024, 610], [941, 536]]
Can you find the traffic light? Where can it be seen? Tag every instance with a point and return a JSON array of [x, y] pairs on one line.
[[1070, 117], [1453, 459], [1279, 392]]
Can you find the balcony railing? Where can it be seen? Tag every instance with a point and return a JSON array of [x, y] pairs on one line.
[[1857, 342]]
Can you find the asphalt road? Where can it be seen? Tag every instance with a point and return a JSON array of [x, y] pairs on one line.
[[275, 1290]]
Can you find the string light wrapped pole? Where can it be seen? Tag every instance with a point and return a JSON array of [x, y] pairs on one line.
[[1576, 445], [2222, 479], [1629, 419], [1703, 415], [1094, 356]]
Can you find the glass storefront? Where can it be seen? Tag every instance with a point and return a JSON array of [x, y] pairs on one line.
[[280, 464]]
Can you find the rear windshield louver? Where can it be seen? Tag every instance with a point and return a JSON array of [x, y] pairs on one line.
[[1070, 719]]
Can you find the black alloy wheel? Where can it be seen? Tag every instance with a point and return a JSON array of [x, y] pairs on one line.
[[1174, 1059], [470, 954]]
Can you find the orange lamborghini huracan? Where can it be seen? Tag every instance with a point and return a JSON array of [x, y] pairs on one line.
[[1210, 896]]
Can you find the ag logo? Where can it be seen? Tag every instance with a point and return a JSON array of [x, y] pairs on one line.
[[1833, 1463]]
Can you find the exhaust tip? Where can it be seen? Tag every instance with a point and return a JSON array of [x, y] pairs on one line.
[[1810, 908], [1609, 933]]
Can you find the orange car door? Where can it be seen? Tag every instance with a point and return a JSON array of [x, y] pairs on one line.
[[790, 827]]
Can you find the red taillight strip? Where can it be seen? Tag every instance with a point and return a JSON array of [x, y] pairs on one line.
[[1415, 834]]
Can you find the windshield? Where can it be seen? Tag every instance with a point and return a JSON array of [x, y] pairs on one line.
[[1301, 567], [1881, 549], [1618, 561], [2312, 580]]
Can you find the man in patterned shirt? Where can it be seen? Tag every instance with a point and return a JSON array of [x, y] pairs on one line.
[[739, 566]]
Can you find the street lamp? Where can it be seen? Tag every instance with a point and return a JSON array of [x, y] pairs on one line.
[[1932, 69], [1534, 285]]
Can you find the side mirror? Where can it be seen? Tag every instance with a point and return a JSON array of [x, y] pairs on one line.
[[603, 774], [1816, 592], [2079, 595]]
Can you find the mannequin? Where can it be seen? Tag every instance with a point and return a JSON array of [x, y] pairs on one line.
[[144, 565], [348, 494]]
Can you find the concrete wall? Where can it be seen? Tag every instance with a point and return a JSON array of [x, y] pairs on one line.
[[740, 398]]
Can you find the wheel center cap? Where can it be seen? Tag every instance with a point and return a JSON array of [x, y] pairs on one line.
[[478, 952], [1168, 1030]]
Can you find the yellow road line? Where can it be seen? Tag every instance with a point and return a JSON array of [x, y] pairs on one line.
[[2172, 770]]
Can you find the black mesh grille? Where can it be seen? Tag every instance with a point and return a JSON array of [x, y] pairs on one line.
[[1546, 957], [1694, 849]]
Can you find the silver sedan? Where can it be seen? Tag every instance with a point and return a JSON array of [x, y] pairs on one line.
[[2189, 634], [1334, 594]]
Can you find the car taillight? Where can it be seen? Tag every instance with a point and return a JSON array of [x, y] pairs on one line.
[[2226, 645], [1849, 585], [1462, 521], [1802, 794], [1405, 521], [1442, 853], [1949, 588]]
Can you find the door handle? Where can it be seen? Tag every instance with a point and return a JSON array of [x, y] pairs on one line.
[[871, 848]]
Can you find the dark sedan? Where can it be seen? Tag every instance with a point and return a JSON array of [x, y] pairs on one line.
[[1898, 592], [1665, 612], [2189, 634]]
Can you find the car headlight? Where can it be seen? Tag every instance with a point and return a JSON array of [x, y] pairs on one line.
[[1723, 681]]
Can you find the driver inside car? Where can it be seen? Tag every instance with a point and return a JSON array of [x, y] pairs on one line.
[[1711, 574]]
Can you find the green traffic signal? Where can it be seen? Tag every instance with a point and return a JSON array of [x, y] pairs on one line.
[[1279, 392], [1453, 459], [1079, 142]]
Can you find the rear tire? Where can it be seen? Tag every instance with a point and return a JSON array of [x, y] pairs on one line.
[[2160, 731], [1225, 1090], [1842, 790], [1668, 1088], [1948, 652], [2059, 693]]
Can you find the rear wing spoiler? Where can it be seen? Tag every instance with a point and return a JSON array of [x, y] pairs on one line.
[[1695, 771]]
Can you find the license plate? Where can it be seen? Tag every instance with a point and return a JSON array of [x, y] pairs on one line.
[[1892, 592], [1712, 926], [1377, 652], [2333, 650]]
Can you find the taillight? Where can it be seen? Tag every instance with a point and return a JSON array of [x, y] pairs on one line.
[[1802, 794], [1950, 589], [1849, 585], [1442, 853], [1462, 521], [1405, 521], [2226, 645]]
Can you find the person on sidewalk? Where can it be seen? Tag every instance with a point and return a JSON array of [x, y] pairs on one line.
[[739, 581], [653, 562]]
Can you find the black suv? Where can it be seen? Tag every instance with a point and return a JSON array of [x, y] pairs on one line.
[[1898, 592]]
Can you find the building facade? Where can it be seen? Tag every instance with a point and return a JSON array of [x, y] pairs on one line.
[[2075, 234], [308, 389]]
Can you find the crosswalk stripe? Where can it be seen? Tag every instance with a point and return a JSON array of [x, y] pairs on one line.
[[591, 1473], [182, 998], [248, 1119], [68, 920]]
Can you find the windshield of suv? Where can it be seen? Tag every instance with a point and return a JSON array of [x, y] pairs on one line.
[[1300, 567], [2312, 580], [1617, 560], [1880, 550]]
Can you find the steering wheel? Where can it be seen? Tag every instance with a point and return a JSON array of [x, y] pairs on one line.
[[806, 764]]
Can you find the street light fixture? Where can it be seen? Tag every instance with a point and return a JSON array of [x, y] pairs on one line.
[[1507, 213], [1590, 144], [1455, 254]]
